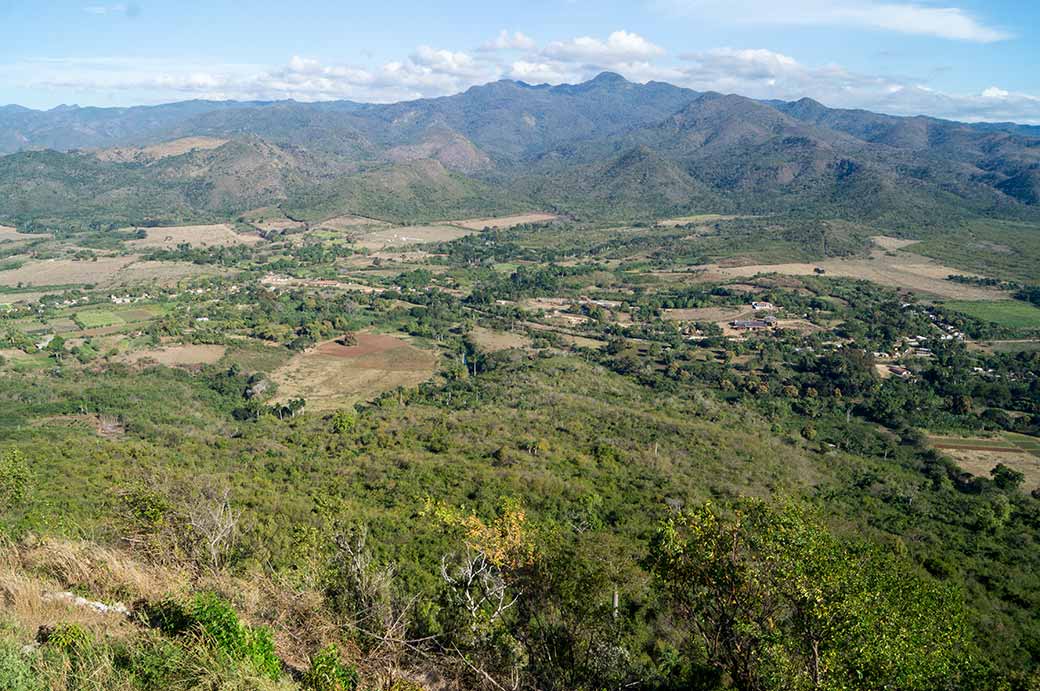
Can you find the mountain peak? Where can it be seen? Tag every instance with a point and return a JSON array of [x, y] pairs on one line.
[[608, 78]]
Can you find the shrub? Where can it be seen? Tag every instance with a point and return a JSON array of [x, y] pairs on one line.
[[327, 673], [15, 672]]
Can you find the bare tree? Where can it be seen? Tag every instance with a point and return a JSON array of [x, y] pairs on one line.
[[214, 522]]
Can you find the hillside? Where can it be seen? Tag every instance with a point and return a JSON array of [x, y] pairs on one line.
[[604, 149]]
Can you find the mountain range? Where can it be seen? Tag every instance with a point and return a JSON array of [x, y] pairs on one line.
[[606, 149]]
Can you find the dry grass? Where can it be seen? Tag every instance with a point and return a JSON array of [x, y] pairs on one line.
[[332, 376], [886, 242], [700, 218], [504, 221], [342, 223], [705, 314], [176, 147], [408, 235], [217, 235], [888, 268], [178, 355], [494, 341], [980, 462], [106, 272]]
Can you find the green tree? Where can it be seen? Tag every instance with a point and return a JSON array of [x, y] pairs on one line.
[[774, 601]]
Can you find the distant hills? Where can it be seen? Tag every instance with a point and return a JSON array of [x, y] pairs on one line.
[[606, 149]]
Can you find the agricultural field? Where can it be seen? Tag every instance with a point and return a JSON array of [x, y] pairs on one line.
[[397, 236], [887, 268], [332, 376], [102, 272], [979, 456], [177, 355], [217, 235], [493, 341], [504, 221], [1012, 314], [1001, 249]]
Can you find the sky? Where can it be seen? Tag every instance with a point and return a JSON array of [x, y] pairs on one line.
[[961, 59]]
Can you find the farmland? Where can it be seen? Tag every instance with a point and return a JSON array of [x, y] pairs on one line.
[[1013, 314], [218, 235], [504, 221], [332, 376]]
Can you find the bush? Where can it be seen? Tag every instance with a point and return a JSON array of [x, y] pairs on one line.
[[15, 672], [218, 624], [327, 673]]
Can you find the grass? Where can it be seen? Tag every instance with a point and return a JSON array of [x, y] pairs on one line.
[[999, 249], [93, 319], [1012, 314]]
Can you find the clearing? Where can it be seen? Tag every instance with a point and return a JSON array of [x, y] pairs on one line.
[[699, 218], [177, 147], [504, 221], [178, 355], [333, 376], [979, 456], [1013, 314], [494, 341], [104, 272], [382, 238], [886, 267], [216, 235]]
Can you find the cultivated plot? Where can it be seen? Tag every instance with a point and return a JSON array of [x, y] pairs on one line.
[[216, 235], [504, 221], [334, 376]]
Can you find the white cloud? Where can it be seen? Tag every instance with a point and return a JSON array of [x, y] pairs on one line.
[[429, 71], [620, 46], [509, 41], [761, 73], [902, 17]]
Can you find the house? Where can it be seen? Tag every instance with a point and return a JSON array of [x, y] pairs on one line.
[[901, 372], [763, 306]]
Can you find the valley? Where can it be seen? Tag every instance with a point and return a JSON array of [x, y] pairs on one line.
[[340, 381]]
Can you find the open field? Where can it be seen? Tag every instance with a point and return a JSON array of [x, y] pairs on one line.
[[333, 376], [896, 269], [176, 147], [980, 456], [494, 341], [1013, 314], [217, 235], [56, 272], [1001, 249], [705, 314], [382, 238], [1010, 346], [504, 221], [889, 243], [178, 355], [105, 272], [348, 222], [699, 218], [9, 234], [96, 318]]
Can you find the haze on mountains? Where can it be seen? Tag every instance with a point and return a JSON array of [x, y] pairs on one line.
[[606, 149]]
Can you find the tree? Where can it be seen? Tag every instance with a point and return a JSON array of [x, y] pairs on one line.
[[774, 601], [1007, 479], [15, 479]]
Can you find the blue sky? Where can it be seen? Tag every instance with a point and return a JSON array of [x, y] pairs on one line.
[[965, 59]]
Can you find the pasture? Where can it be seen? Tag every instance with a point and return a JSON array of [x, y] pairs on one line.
[[1012, 314], [979, 456], [98, 318], [504, 221], [396, 236], [178, 355], [492, 341], [332, 376], [216, 235], [895, 269]]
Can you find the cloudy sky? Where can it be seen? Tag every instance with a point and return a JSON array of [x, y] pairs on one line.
[[963, 59]]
